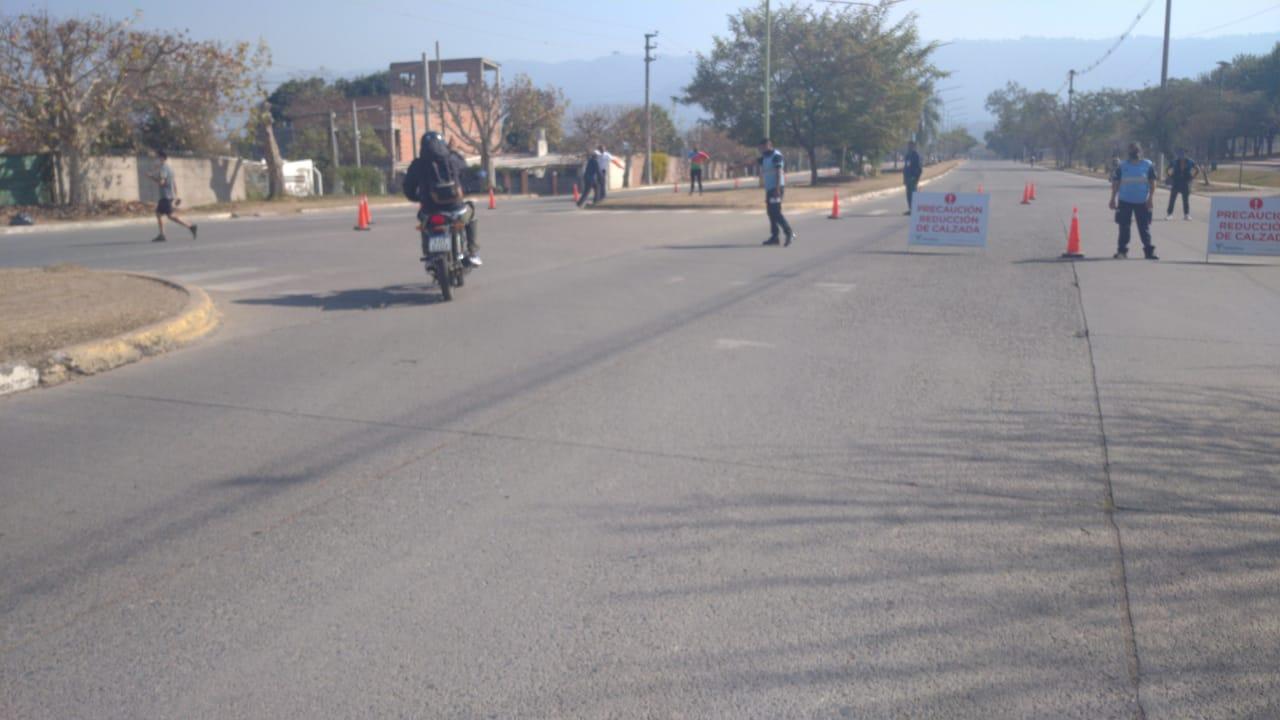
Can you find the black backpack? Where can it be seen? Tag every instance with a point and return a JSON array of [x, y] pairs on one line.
[[443, 185]]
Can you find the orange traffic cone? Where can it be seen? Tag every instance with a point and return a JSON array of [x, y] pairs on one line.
[[835, 206], [1033, 191], [575, 192], [1073, 237], [493, 202], [1026, 194], [362, 215], [368, 214]]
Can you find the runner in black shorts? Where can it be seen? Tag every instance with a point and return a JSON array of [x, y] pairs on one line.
[[168, 198]]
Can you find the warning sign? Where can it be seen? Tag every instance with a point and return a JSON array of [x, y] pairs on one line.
[[1244, 226], [959, 219]]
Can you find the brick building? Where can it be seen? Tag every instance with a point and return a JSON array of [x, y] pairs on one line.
[[399, 128]]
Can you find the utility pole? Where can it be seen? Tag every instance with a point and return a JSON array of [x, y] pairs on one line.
[[648, 114], [333, 136], [1164, 64], [1071, 118], [440, 84], [768, 58], [355, 124], [426, 96], [413, 131], [1164, 70]]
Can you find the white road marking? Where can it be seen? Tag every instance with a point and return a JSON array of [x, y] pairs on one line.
[[213, 274], [731, 344], [836, 287], [675, 279], [249, 284]]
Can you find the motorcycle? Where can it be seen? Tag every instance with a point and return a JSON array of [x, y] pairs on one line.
[[444, 247]]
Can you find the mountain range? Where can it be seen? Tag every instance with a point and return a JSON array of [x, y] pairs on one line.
[[976, 68]]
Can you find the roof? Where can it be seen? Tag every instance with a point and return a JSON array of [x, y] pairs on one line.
[[532, 162]]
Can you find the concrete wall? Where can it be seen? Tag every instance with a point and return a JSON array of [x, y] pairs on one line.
[[200, 181]]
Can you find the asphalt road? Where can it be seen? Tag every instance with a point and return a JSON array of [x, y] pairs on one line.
[[644, 468]]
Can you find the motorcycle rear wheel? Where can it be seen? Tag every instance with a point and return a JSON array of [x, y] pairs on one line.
[[444, 279]]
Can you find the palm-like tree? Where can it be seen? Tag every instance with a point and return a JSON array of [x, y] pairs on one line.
[[930, 125]]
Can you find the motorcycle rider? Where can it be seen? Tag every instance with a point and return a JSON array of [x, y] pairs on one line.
[[434, 179]]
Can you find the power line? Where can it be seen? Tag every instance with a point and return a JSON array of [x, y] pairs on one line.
[[1233, 22], [1119, 40], [1114, 46]]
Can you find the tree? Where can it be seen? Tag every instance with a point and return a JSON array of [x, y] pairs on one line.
[[371, 85], [478, 113], [275, 164], [1024, 121], [63, 84], [529, 109], [594, 127], [839, 77], [955, 142], [298, 91], [628, 128]]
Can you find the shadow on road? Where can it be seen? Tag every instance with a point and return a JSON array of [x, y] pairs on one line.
[[998, 592], [359, 299]]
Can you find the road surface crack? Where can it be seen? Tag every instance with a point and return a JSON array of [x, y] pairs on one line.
[[1120, 571]]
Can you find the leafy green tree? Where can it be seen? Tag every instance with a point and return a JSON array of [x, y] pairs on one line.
[[628, 128], [371, 85], [66, 83], [296, 91], [838, 77], [529, 109], [955, 142], [1024, 121]]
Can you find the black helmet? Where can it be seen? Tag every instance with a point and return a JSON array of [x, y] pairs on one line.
[[433, 146]]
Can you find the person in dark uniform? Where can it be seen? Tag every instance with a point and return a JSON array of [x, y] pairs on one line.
[[773, 171], [591, 179], [1182, 173], [912, 169]]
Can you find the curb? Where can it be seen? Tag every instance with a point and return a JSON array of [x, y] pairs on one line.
[[811, 205], [97, 224], [199, 318]]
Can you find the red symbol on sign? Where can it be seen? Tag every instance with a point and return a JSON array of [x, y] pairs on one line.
[[1256, 203], [951, 198]]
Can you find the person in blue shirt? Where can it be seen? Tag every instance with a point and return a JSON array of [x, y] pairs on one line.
[[1133, 185], [773, 172]]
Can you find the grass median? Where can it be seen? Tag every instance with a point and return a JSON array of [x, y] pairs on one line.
[[798, 196], [47, 309]]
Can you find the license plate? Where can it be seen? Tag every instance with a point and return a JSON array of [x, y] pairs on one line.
[[439, 243]]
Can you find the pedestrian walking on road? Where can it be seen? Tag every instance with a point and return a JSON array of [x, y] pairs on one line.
[[605, 159], [696, 159], [1134, 185], [773, 171], [1182, 173], [590, 179], [168, 198], [912, 169]]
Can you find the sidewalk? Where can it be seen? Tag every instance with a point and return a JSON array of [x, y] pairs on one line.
[[749, 195], [221, 211], [65, 320]]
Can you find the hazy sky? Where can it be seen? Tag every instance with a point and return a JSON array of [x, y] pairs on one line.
[[348, 35]]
